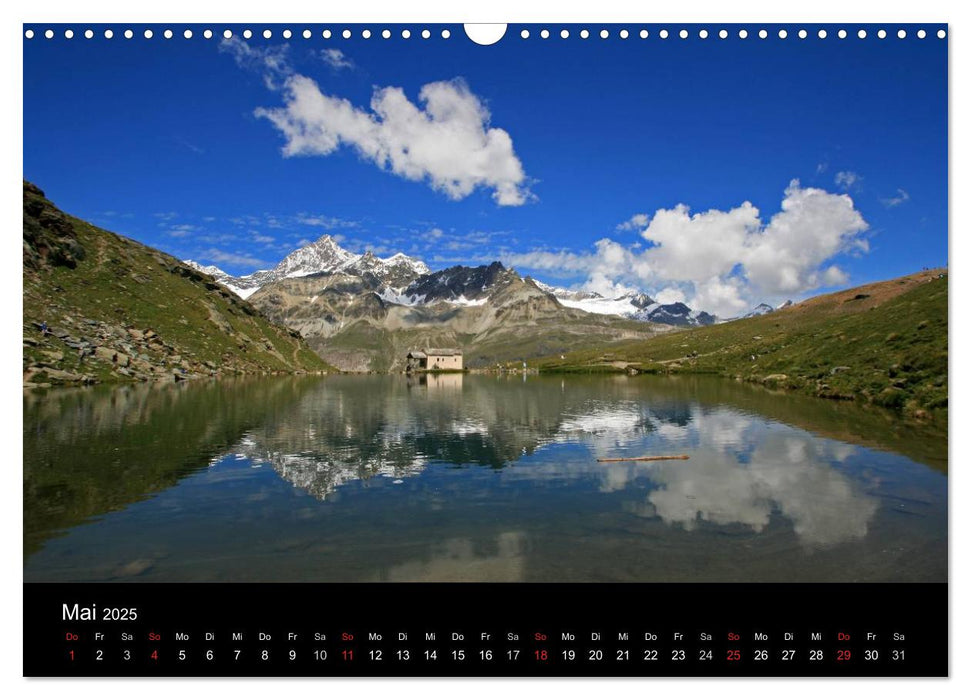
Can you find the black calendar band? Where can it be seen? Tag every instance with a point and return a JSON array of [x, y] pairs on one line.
[[638, 630]]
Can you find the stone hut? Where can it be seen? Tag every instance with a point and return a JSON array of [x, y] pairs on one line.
[[432, 359]]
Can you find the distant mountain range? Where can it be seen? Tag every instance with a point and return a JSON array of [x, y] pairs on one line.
[[362, 312], [407, 281], [323, 255]]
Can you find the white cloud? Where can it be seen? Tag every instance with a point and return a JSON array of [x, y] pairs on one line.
[[271, 61], [446, 141], [336, 59], [669, 295], [224, 257], [181, 230], [725, 296], [897, 200], [724, 262], [846, 179], [638, 222], [326, 222]]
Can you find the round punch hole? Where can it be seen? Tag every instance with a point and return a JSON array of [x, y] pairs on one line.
[[565, 34], [88, 34], [841, 34], [663, 34], [861, 33], [902, 34], [743, 34], [803, 33], [683, 34], [167, 33], [624, 33], [584, 34], [129, 33], [267, 34], [366, 34], [821, 33], [326, 34], [148, 34], [49, 34], [287, 34], [405, 33], [941, 34], [723, 34], [545, 34], [783, 33], [29, 34], [446, 34], [227, 34], [921, 34], [882, 34], [346, 33], [524, 34], [425, 34], [644, 34], [247, 34], [386, 34], [109, 34], [307, 34], [187, 33], [604, 34], [207, 34], [68, 33], [703, 34]]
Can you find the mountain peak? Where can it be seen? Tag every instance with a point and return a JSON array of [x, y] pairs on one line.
[[759, 310]]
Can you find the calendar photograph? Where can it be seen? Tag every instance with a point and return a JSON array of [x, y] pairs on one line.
[[577, 304]]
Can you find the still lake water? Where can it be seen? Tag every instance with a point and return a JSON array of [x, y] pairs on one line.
[[476, 478]]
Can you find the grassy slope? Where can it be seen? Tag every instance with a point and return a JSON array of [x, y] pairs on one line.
[[125, 284], [883, 343]]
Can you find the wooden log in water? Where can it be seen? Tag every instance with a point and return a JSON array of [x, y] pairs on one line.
[[651, 458]]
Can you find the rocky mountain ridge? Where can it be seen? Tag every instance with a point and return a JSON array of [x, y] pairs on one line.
[[358, 323], [324, 255], [404, 280]]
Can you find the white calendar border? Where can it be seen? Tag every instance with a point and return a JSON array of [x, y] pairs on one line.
[[697, 11]]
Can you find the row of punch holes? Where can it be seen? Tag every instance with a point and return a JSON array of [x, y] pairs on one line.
[[524, 33]]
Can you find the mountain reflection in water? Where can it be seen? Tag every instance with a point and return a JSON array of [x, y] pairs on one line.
[[457, 477]]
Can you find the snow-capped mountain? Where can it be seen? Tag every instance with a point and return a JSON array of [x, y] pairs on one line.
[[322, 256], [760, 310], [634, 305], [763, 309], [405, 281], [459, 285], [396, 271]]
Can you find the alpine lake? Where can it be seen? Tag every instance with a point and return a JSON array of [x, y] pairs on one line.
[[466, 477]]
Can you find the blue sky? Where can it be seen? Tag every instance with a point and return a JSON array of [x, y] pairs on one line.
[[718, 172]]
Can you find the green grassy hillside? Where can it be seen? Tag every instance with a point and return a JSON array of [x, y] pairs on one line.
[[116, 310], [883, 343]]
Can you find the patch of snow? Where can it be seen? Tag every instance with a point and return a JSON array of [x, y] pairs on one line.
[[610, 307], [462, 301], [240, 292]]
